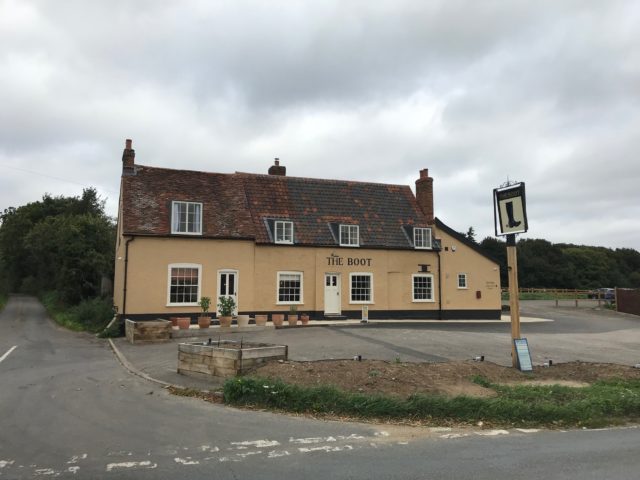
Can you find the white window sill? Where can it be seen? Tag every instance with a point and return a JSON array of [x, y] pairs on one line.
[[361, 303], [282, 242], [423, 248], [423, 301], [349, 246], [183, 304], [187, 233], [289, 303], [463, 288]]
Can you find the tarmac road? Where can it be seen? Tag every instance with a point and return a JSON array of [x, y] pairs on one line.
[[69, 410]]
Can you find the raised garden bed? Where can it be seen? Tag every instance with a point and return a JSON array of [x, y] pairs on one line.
[[226, 358], [148, 331]]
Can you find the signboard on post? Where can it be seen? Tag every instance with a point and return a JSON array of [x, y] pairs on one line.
[[510, 210], [523, 354]]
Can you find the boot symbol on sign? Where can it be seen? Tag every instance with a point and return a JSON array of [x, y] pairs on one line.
[[512, 221]]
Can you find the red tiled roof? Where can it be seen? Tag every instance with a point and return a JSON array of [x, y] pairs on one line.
[[239, 206]]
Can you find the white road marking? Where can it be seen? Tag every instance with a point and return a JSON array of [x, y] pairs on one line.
[[492, 433], [324, 448], [454, 435], [145, 464], [257, 443], [207, 448], [8, 353], [41, 472], [6, 463], [73, 470], [75, 458], [186, 461], [528, 430], [277, 453]]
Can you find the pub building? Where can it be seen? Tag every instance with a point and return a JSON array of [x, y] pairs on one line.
[[327, 247]]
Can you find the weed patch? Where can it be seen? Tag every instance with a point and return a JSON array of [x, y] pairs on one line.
[[604, 403], [90, 315]]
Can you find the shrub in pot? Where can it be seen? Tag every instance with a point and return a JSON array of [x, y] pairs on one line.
[[226, 306], [204, 320]]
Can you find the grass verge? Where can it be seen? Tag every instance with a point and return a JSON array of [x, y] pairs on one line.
[[3, 300], [604, 403], [91, 315]]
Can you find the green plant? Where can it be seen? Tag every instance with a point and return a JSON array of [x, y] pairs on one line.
[[397, 360], [226, 306], [205, 303], [293, 309]]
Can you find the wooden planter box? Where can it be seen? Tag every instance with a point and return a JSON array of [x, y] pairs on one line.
[[151, 331], [225, 358]]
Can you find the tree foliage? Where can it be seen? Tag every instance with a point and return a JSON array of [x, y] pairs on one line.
[[542, 264], [64, 244]]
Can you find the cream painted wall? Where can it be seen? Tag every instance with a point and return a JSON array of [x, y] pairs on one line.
[[482, 275], [258, 265]]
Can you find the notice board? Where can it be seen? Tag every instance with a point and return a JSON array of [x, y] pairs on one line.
[[524, 356]]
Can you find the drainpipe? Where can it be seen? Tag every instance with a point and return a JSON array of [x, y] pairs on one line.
[[439, 287], [126, 268]]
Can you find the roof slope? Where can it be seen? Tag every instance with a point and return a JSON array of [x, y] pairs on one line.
[[313, 204], [147, 197], [239, 206]]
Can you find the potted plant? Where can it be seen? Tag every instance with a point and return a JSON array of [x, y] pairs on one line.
[[226, 306], [293, 316], [277, 319], [304, 318], [243, 320], [261, 320], [204, 321]]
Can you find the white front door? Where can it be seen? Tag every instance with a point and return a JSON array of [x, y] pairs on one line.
[[332, 300], [228, 286]]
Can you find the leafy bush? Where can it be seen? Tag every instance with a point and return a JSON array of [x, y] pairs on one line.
[[90, 315]]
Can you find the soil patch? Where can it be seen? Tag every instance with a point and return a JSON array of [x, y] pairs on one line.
[[450, 378]]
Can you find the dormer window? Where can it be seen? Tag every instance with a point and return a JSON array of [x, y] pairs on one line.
[[422, 238], [283, 232], [349, 236], [186, 218]]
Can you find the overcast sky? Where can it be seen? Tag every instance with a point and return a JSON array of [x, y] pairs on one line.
[[478, 92]]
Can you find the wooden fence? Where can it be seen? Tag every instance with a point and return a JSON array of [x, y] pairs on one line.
[[560, 294], [628, 300]]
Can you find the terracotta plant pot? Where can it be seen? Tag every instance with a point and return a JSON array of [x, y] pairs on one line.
[[277, 319], [293, 320], [204, 322], [243, 320], [183, 323], [261, 320], [304, 319], [225, 321], [174, 321]]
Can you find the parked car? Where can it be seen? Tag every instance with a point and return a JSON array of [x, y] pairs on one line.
[[603, 294]]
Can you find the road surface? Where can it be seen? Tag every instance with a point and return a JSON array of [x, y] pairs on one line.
[[69, 410]]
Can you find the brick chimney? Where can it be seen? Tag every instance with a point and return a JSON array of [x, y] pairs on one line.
[[277, 169], [128, 159], [424, 194]]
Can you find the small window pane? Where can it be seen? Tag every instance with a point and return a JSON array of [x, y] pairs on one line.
[[184, 285], [361, 288], [289, 287], [349, 235], [422, 287], [422, 237], [186, 217]]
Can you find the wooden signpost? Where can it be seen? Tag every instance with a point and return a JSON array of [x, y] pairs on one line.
[[510, 218]]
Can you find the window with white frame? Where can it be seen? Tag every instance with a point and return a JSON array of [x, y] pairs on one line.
[[361, 288], [422, 237], [284, 231], [289, 287], [422, 287], [184, 284], [462, 280], [186, 218], [349, 235]]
